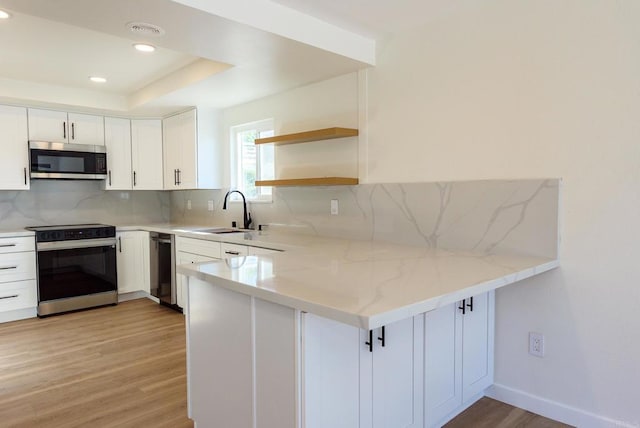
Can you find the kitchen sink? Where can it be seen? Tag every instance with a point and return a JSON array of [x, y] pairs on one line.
[[219, 230]]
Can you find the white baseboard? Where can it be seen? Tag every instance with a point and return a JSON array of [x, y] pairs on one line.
[[554, 410]]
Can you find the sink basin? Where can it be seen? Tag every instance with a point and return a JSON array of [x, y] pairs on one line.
[[219, 230]]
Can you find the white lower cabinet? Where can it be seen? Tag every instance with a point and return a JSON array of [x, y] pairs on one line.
[[132, 260], [458, 360], [18, 288], [349, 383]]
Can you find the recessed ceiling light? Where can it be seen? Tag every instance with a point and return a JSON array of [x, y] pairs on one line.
[[97, 79], [4, 15], [143, 47]]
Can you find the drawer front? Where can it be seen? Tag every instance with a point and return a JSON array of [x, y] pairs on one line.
[[198, 246], [17, 244], [18, 295], [17, 266], [232, 250]]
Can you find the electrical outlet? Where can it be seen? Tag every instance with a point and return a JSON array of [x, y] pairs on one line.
[[536, 344], [210, 205], [334, 207], [188, 204]]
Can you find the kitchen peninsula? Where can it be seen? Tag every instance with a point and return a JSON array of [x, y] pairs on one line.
[[349, 333]]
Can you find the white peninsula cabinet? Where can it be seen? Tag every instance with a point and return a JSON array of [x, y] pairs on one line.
[[62, 127], [132, 260], [14, 162], [251, 360]]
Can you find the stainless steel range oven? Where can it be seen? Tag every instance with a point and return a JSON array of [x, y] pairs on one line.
[[76, 267]]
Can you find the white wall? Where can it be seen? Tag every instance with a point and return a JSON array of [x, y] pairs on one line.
[[325, 104], [545, 88]]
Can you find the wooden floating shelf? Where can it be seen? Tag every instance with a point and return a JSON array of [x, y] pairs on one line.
[[308, 136], [321, 181]]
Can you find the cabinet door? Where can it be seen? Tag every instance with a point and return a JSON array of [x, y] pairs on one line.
[[117, 139], [133, 261], [171, 149], [180, 146], [334, 358], [48, 125], [188, 168], [14, 162], [442, 363], [146, 154], [86, 129], [397, 374], [477, 346]]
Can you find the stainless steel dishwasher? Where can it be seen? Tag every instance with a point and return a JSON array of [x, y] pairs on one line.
[[162, 262]]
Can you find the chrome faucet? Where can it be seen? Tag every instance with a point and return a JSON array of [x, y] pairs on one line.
[[246, 216]]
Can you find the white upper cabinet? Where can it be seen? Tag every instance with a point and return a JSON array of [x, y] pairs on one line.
[[191, 152], [60, 127], [14, 162], [86, 129], [117, 139], [146, 154]]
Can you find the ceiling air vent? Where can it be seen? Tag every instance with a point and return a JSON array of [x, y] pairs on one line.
[[145, 29]]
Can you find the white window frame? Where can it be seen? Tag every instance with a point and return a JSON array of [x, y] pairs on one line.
[[260, 126]]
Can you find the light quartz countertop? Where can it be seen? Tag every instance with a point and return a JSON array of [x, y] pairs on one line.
[[9, 233], [361, 283]]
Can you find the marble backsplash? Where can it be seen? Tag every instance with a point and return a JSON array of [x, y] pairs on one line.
[[52, 202], [491, 216]]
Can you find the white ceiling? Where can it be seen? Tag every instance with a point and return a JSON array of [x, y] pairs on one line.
[[215, 53]]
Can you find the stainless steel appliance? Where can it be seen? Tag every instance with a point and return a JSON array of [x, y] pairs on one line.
[[162, 262], [67, 161], [76, 267]]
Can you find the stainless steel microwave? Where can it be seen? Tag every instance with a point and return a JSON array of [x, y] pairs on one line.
[[67, 161]]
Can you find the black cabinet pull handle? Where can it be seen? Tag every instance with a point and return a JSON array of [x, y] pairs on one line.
[[120, 243], [109, 177], [64, 130], [175, 177], [8, 267], [463, 308], [13, 296], [470, 304], [25, 176], [179, 178], [73, 131], [382, 339], [370, 342], [135, 179]]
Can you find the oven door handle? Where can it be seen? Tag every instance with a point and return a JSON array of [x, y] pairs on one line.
[[80, 243]]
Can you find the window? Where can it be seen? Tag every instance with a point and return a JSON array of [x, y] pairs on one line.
[[250, 162]]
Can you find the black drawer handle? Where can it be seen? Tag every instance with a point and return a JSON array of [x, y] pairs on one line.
[[233, 253], [8, 267], [7, 245], [9, 297]]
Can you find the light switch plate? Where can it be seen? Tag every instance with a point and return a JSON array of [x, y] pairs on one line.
[[334, 207]]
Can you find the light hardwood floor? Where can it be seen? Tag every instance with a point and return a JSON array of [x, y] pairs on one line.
[[118, 366], [124, 366], [488, 413]]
